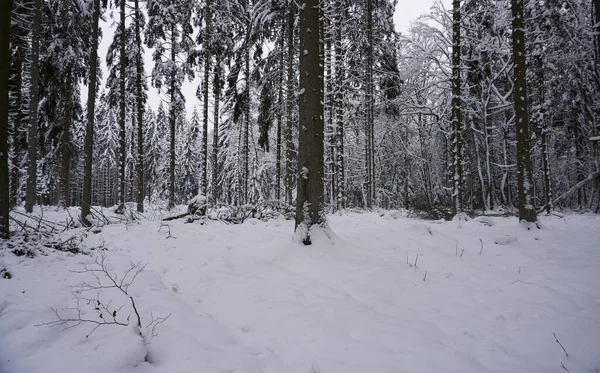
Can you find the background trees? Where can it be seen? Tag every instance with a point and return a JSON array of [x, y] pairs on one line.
[[424, 120]]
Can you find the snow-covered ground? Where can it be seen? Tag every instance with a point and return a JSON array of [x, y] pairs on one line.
[[486, 295]]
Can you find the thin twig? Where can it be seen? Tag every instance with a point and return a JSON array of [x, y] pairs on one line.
[[481, 250], [560, 344]]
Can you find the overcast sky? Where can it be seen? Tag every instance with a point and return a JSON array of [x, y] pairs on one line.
[[406, 12]]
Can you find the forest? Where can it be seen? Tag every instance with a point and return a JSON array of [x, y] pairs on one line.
[[442, 183], [425, 120]]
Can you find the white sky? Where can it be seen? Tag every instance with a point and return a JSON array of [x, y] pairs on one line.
[[406, 12]]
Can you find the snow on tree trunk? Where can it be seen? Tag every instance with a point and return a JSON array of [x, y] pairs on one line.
[[524, 168], [309, 201], [5, 15]]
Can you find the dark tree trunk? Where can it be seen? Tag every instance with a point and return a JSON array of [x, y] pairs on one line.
[[280, 112], [139, 110], [32, 141], [339, 107], [172, 121], [246, 151], [289, 145], [66, 143], [5, 14], [369, 130], [206, 42], [215, 155], [86, 201], [457, 177], [122, 113], [14, 177], [309, 201], [524, 168]]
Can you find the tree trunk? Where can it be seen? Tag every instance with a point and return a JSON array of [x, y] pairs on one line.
[[32, 141], [122, 145], [289, 145], [339, 107], [457, 177], [86, 201], [5, 15], [524, 168], [204, 181], [66, 143], [14, 189], [280, 112], [215, 155], [309, 201], [140, 110], [172, 120], [370, 175], [246, 149]]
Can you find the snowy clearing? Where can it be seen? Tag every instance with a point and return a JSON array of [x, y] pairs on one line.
[[486, 295]]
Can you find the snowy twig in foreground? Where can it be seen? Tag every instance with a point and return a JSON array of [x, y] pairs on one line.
[[481, 250], [564, 367], [560, 344], [106, 315]]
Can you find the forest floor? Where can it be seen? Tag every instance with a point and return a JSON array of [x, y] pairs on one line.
[[485, 295]]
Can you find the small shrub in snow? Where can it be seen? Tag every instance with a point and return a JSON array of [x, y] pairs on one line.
[[99, 310]]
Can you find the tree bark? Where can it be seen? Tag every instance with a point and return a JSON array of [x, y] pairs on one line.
[[524, 168], [5, 15], [339, 107], [14, 188], [66, 143], [140, 110], [289, 145], [206, 45], [86, 201], [122, 113], [457, 182], [215, 155], [32, 141], [172, 121], [309, 201], [369, 132], [280, 111]]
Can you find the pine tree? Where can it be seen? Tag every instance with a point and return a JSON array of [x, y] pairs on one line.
[[86, 201], [169, 32]]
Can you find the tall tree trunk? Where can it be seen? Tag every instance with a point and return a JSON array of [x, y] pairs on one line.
[[246, 149], [66, 143], [172, 120], [34, 91], [122, 144], [370, 175], [524, 168], [309, 201], [289, 145], [88, 149], [206, 45], [457, 182], [14, 177], [140, 109], [330, 102], [280, 112], [215, 155], [339, 107], [5, 15]]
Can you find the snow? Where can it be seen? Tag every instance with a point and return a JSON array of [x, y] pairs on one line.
[[245, 298]]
